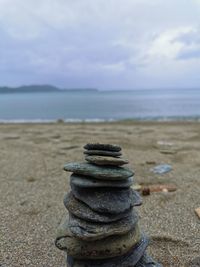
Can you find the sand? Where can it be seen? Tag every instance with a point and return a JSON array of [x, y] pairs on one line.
[[33, 183]]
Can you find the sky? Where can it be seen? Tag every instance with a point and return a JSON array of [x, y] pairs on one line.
[[105, 44]]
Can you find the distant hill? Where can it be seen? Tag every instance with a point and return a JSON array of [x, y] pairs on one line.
[[40, 89]]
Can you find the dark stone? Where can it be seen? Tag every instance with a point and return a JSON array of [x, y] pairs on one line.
[[102, 153], [108, 247], [102, 173], [90, 231], [103, 160], [127, 260], [147, 261], [107, 147], [105, 200], [195, 262], [82, 211], [88, 182]]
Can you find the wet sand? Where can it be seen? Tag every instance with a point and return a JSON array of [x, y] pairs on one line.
[[33, 183]]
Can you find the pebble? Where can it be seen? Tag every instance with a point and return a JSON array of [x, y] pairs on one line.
[[197, 211], [102, 153], [161, 169], [82, 211], [195, 262], [102, 173], [147, 261], [104, 200], [88, 182], [98, 146], [153, 188], [90, 231], [103, 160], [165, 143], [168, 152], [127, 260], [109, 247]]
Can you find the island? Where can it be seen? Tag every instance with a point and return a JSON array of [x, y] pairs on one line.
[[42, 89]]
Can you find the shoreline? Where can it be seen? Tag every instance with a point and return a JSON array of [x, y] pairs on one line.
[[97, 121]]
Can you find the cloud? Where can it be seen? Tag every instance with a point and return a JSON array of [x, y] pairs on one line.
[[175, 44], [29, 19], [191, 41], [167, 44]]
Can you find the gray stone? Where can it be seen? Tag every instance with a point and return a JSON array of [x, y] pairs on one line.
[[195, 262], [90, 231], [98, 146], [109, 247], [82, 211], [102, 153], [127, 260], [103, 160], [88, 182], [99, 172], [105, 200], [147, 261]]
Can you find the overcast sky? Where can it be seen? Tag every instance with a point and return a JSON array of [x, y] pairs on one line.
[[100, 43]]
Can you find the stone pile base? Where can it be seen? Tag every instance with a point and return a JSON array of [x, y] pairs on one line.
[[101, 228]]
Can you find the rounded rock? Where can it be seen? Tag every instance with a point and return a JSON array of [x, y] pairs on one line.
[[127, 260], [105, 200], [147, 261], [98, 146], [195, 262], [82, 211], [109, 247], [95, 231], [104, 161], [99, 172], [102, 153], [88, 182]]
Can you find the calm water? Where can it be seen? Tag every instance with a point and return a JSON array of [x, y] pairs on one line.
[[137, 104]]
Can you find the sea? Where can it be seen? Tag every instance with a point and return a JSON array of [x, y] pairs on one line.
[[98, 106]]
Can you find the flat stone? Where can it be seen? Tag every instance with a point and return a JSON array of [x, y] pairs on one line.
[[90, 231], [103, 160], [82, 211], [109, 247], [98, 146], [127, 260], [102, 153], [88, 182], [99, 172], [147, 261], [105, 200]]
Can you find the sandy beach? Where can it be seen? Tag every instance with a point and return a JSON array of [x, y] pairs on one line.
[[33, 183]]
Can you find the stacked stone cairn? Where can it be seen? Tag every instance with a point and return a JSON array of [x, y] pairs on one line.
[[101, 227]]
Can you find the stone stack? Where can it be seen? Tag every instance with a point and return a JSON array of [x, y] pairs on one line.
[[101, 228]]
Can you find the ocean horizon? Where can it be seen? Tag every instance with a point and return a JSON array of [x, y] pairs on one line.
[[101, 106]]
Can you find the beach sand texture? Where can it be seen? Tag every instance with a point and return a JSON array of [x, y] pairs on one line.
[[33, 184]]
